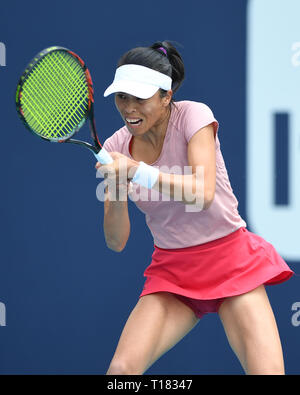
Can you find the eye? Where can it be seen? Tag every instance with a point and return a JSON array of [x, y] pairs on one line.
[[121, 96]]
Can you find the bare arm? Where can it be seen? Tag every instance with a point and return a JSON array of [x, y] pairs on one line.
[[116, 222], [198, 187]]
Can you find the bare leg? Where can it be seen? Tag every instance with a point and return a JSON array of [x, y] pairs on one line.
[[252, 332], [155, 325]]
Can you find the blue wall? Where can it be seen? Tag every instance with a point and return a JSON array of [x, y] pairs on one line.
[[65, 294]]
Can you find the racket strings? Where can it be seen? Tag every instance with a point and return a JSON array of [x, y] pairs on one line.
[[45, 95], [55, 96], [59, 104], [49, 128], [36, 119], [79, 82], [72, 114], [42, 115]]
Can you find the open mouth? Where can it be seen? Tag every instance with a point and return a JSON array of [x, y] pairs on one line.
[[134, 121]]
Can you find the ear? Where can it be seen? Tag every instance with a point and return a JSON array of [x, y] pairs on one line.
[[167, 98]]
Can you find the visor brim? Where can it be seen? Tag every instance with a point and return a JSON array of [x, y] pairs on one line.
[[137, 89]]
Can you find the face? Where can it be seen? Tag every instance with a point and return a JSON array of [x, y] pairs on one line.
[[142, 115]]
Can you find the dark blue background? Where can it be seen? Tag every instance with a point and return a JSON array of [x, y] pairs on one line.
[[67, 296]]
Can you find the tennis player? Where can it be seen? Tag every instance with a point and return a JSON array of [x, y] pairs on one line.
[[204, 259]]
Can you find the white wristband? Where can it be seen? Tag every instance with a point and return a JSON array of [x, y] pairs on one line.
[[146, 175]]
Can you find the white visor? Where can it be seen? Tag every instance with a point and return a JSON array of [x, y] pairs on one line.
[[138, 81]]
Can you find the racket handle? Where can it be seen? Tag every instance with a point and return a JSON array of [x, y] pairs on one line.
[[103, 157]]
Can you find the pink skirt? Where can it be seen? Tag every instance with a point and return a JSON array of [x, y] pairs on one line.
[[232, 265]]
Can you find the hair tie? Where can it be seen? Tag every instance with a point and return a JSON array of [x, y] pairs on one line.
[[164, 50]]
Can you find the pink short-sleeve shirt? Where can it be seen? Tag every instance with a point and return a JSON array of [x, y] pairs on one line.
[[173, 224]]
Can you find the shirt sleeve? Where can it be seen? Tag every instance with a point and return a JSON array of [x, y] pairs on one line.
[[109, 145], [115, 142], [197, 116]]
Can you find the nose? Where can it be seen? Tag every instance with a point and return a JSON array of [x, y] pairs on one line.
[[130, 106], [130, 110]]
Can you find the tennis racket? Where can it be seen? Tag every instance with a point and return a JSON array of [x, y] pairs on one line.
[[55, 97]]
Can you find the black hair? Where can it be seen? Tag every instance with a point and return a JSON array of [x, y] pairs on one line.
[[161, 56]]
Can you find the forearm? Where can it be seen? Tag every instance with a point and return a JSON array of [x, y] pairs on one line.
[[188, 188], [116, 223]]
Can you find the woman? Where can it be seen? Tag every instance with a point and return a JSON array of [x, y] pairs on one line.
[[204, 259]]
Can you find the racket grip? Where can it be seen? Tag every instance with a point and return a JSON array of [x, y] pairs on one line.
[[103, 157]]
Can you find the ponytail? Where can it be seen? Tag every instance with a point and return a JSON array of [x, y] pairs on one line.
[[175, 59]]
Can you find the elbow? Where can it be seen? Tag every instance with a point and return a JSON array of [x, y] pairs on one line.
[[115, 245], [207, 204], [204, 201], [118, 249], [115, 248], [208, 199], [203, 193]]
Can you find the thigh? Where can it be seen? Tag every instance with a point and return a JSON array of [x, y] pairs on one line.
[[155, 325], [252, 332]]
